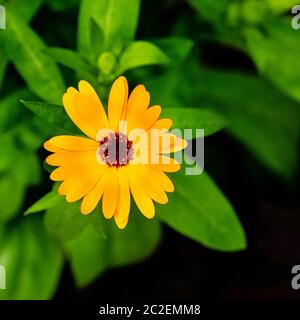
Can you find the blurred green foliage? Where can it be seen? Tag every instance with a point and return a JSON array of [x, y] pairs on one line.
[[260, 108]]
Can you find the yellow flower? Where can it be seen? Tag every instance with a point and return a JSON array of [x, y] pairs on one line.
[[113, 161]]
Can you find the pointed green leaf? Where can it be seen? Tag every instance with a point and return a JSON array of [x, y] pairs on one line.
[[282, 6], [264, 120], [12, 193], [32, 261], [117, 19], [97, 39], [268, 55], [141, 53], [137, 241], [50, 200], [25, 12], [195, 118], [11, 111], [199, 210], [65, 221], [88, 246], [19, 168], [176, 48], [211, 10], [24, 48], [70, 59], [53, 115]]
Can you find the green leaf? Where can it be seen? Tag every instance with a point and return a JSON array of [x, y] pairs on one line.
[[32, 261], [210, 10], [195, 118], [98, 224], [227, 13], [84, 32], [19, 168], [176, 48], [32, 133], [11, 195], [9, 152], [263, 119], [50, 200], [29, 171], [52, 114], [10, 110], [117, 19], [70, 59], [64, 221], [268, 55], [26, 13], [137, 241], [24, 48], [141, 53], [199, 210], [89, 246], [282, 6], [97, 40], [180, 90]]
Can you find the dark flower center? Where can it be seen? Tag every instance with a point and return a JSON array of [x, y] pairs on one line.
[[116, 150]]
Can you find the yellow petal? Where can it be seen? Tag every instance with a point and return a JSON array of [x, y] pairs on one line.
[[73, 143], [84, 184], [79, 173], [90, 94], [146, 120], [163, 124], [138, 102], [176, 145], [70, 158], [82, 112], [69, 172], [91, 200], [110, 195], [67, 184], [165, 182], [49, 147], [123, 207], [117, 101], [151, 187], [142, 200], [166, 143], [59, 174], [165, 164], [76, 162]]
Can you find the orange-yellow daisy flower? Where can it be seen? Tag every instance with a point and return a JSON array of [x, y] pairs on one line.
[[92, 168]]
